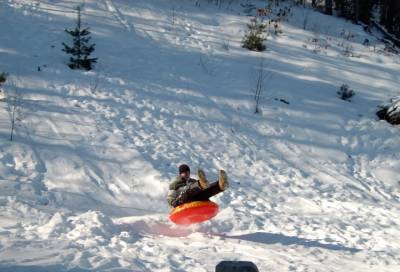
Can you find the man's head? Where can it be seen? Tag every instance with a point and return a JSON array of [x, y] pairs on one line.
[[184, 171]]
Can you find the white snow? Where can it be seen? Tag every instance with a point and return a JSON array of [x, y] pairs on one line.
[[315, 183]]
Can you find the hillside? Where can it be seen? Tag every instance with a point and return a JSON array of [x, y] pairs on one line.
[[314, 179]]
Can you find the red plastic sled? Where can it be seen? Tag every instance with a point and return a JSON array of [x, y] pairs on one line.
[[193, 212]]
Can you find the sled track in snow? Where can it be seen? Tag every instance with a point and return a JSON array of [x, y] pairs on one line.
[[113, 9]]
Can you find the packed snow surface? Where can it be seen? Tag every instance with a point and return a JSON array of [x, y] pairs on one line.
[[315, 182]]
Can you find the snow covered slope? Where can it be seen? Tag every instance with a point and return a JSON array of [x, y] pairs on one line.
[[315, 183]]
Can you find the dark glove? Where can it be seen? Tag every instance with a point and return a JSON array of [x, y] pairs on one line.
[[182, 198], [178, 201]]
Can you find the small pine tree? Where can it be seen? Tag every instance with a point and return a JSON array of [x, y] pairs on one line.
[[81, 49], [345, 93], [253, 39]]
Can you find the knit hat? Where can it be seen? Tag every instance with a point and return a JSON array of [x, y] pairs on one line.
[[183, 168]]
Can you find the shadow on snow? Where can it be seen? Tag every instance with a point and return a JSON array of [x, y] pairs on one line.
[[272, 238]]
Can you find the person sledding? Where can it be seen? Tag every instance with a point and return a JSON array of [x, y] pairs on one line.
[[185, 189]]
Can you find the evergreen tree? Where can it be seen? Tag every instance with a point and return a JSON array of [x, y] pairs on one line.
[[81, 49], [253, 39]]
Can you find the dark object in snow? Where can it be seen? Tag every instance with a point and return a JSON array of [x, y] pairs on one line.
[[345, 93], [390, 111], [80, 50], [283, 101], [236, 266], [3, 77]]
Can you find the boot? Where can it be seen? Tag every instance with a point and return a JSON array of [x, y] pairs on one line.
[[203, 182], [223, 180]]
